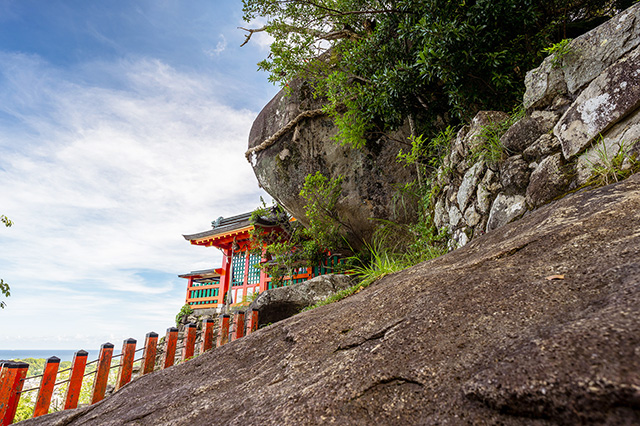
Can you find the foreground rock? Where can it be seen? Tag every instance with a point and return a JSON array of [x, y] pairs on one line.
[[279, 303], [478, 336]]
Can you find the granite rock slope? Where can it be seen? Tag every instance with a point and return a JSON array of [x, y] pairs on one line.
[[537, 323]]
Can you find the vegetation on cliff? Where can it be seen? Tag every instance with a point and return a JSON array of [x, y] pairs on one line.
[[379, 63]]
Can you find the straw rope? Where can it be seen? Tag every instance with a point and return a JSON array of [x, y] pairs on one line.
[[272, 140]]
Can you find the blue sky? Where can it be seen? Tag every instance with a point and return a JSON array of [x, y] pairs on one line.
[[122, 126]]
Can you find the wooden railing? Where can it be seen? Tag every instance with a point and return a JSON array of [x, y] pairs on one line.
[[13, 374]]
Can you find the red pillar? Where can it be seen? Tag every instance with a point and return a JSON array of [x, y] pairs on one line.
[[207, 335], [75, 381], [46, 386], [253, 321], [238, 326], [263, 274], [12, 376], [189, 342], [126, 363], [150, 350], [170, 351], [225, 278], [189, 285], [223, 333], [102, 373]]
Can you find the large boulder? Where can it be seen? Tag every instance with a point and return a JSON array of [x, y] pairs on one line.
[[279, 303], [371, 175], [537, 324]]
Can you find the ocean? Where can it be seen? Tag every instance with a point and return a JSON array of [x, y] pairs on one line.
[[63, 354]]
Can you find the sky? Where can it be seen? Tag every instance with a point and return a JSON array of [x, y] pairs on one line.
[[123, 125]]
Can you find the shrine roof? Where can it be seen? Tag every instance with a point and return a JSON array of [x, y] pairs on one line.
[[204, 273], [223, 226]]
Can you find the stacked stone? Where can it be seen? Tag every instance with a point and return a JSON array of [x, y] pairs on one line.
[[578, 107]]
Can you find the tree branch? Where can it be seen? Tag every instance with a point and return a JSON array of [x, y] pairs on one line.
[[250, 31]]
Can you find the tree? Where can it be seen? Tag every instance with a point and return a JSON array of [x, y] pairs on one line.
[[379, 63], [4, 287]]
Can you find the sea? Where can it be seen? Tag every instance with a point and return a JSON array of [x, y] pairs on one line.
[[63, 354]]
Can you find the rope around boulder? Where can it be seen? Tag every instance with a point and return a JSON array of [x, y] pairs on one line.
[[277, 135]]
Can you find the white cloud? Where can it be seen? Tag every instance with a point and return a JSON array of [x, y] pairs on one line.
[[101, 182], [220, 47]]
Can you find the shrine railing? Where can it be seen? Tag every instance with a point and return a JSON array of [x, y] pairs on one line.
[[13, 374]]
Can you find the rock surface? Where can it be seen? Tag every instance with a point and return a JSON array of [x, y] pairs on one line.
[[609, 97], [370, 175], [279, 303], [482, 335]]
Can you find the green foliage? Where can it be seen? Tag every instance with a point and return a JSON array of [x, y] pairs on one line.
[[377, 62], [321, 195], [282, 242], [4, 290], [611, 167], [337, 296], [378, 259], [489, 147], [185, 311], [248, 298], [6, 221], [27, 400], [428, 152], [287, 244], [559, 50], [4, 287]]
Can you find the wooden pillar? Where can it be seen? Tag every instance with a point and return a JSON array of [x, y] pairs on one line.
[[75, 381], [12, 376], [102, 373], [189, 342], [238, 326], [207, 335], [149, 354], [223, 333], [253, 321], [126, 362], [46, 387], [170, 351], [225, 278]]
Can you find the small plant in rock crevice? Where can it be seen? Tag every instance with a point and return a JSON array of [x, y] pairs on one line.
[[612, 167], [490, 147], [559, 50]]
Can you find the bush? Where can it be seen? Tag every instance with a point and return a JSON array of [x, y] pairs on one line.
[[185, 311]]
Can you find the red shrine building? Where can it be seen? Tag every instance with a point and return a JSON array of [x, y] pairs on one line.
[[239, 273]]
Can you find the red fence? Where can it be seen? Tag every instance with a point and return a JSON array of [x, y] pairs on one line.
[[13, 375]]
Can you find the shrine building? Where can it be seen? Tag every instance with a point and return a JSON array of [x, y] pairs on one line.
[[240, 273]]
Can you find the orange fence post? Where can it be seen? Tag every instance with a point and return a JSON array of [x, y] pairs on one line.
[[238, 326], [207, 335], [46, 386], [126, 362], [75, 380], [150, 347], [102, 373], [170, 352], [189, 342], [223, 334], [253, 321], [12, 376]]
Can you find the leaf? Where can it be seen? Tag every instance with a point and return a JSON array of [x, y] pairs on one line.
[[555, 277]]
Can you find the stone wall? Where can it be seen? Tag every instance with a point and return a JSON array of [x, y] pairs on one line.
[[581, 110]]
